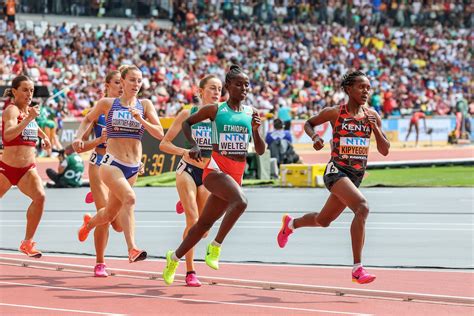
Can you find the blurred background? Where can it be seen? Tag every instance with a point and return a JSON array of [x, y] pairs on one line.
[[418, 55]]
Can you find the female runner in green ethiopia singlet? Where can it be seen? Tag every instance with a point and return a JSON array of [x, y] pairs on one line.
[[233, 125]]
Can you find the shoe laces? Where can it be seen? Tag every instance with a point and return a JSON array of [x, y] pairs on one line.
[[214, 251], [100, 266], [173, 264]]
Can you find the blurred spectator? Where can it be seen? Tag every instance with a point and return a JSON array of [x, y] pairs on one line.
[[277, 133], [285, 115], [280, 144], [70, 170], [10, 11], [414, 55]]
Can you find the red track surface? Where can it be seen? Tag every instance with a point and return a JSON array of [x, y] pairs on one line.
[[49, 289]]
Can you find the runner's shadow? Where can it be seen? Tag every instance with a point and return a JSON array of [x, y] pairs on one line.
[[48, 280], [113, 291], [281, 299]]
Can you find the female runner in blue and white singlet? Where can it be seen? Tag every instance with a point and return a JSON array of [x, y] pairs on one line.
[[126, 119]]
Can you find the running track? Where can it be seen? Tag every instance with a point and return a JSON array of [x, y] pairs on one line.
[[49, 292]]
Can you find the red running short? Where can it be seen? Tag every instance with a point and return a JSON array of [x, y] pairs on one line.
[[13, 174], [220, 163]]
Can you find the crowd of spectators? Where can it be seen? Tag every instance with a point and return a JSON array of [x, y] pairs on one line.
[[295, 58]]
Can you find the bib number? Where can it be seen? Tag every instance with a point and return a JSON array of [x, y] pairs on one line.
[[93, 158], [180, 168], [331, 168], [107, 159]]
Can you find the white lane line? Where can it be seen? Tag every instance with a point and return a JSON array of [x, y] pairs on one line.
[[60, 309], [305, 266], [273, 227], [184, 299]]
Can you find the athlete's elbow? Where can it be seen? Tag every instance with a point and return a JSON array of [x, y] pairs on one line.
[[384, 151], [163, 145], [260, 150], [160, 135]]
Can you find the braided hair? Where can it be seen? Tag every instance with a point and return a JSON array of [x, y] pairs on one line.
[[233, 72], [349, 78]]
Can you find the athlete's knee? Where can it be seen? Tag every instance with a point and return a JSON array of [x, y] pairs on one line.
[[129, 199], [240, 204], [39, 198], [191, 219], [362, 209], [202, 225]]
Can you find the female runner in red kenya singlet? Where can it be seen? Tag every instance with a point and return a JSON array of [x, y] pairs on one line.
[[17, 167], [353, 124]]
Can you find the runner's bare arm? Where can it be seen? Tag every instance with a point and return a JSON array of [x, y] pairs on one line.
[[383, 144], [166, 144], [257, 137], [207, 112], [152, 123], [102, 107], [11, 127], [46, 141], [325, 115]]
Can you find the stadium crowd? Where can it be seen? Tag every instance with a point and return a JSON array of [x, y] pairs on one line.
[[295, 57]]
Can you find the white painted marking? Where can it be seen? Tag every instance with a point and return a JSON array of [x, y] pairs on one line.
[[263, 264], [184, 299]]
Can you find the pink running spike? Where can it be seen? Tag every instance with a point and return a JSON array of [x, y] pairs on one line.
[[285, 231], [89, 198], [192, 280], [179, 207], [361, 276], [99, 271]]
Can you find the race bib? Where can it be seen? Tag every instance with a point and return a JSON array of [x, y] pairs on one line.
[[107, 159], [180, 168], [354, 146], [30, 133], [331, 168], [124, 121], [233, 143], [93, 158], [202, 137]]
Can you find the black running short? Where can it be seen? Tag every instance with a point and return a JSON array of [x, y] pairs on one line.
[[333, 173], [193, 171]]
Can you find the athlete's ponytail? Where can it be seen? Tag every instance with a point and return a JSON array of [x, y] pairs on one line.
[[8, 93]]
